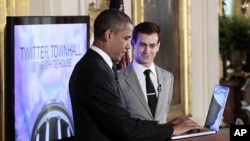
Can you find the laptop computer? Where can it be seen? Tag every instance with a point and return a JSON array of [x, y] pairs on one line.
[[214, 115]]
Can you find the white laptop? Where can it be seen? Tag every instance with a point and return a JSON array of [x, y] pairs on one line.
[[214, 115]]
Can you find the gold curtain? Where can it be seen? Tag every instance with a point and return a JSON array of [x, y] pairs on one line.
[[7, 8]]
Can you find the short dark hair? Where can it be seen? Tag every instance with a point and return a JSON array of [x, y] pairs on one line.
[[146, 28], [110, 19]]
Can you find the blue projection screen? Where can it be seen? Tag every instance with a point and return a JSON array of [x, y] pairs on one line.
[[43, 56]]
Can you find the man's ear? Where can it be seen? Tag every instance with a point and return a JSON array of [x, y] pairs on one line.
[[107, 34], [159, 44], [132, 43]]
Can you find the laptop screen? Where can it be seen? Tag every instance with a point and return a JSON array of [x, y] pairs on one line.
[[216, 108]]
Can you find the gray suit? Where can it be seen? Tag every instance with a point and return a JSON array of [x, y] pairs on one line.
[[134, 97]]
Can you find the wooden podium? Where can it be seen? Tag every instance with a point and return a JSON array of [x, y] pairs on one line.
[[222, 135]]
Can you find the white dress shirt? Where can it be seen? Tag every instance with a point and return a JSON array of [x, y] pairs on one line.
[[139, 70], [104, 55]]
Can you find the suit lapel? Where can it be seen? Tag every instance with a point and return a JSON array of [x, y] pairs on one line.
[[136, 88], [160, 90]]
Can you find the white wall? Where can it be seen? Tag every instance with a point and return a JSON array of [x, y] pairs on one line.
[[205, 54], [204, 43], [66, 7], [59, 7]]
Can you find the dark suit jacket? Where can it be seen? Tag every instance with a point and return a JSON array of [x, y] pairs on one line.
[[98, 112]]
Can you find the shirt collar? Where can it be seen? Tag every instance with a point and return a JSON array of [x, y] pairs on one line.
[[141, 68], [104, 55]]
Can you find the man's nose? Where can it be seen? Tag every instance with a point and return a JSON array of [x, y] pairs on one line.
[[145, 49], [128, 46]]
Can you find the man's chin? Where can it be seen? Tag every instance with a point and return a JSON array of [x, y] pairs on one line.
[[116, 60], [120, 59]]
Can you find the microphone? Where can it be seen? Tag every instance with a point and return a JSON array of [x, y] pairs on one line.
[[159, 88]]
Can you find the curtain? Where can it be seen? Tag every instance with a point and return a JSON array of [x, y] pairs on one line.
[[7, 8]]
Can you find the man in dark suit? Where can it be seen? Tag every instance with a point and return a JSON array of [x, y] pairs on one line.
[[98, 111], [146, 44]]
